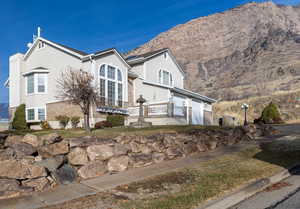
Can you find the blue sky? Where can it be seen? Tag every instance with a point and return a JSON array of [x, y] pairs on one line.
[[95, 25]]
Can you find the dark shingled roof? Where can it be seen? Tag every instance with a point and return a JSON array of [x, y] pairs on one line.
[[145, 55], [72, 49]]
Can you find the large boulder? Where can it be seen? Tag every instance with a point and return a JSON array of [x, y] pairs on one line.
[[201, 146], [134, 146], [2, 139], [121, 149], [7, 154], [78, 156], [92, 169], [173, 152], [158, 157], [211, 144], [10, 140], [140, 160], [22, 149], [65, 174], [51, 164], [32, 140], [189, 147], [118, 163], [145, 149], [158, 146], [51, 150], [25, 169], [50, 139], [38, 184], [10, 188], [100, 152]]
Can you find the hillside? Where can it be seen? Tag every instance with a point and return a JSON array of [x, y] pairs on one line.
[[251, 50]]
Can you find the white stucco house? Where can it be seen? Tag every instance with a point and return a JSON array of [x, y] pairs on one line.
[[155, 75]]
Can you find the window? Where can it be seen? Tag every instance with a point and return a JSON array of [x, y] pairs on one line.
[[41, 114], [41, 83], [41, 45], [111, 85], [30, 84], [36, 83], [30, 114], [165, 78]]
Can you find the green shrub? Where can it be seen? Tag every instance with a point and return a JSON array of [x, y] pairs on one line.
[[19, 121], [75, 121], [116, 120], [63, 120], [45, 125], [271, 114]]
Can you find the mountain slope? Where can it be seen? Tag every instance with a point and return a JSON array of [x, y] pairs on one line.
[[250, 50]]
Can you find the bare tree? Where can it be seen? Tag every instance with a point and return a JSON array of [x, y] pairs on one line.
[[76, 87]]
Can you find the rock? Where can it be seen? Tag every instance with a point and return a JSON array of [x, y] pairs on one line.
[[51, 163], [201, 146], [22, 149], [189, 147], [65, 174], [120, 149], [89, 141], [100, 152], [118, 164], [145, 149], [158, 157], [50, 139], [32, 140], [9, 185], [10, 140], [7, 154], [38, 184], [211, 143], [158, 146], [173, 152], [140, 160], [134, 146], [3, 138], [169, 140], [51, 150], [78, 156], [24, 169], [92, 169]]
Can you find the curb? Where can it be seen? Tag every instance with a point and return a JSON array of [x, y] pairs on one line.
[[236, 197]]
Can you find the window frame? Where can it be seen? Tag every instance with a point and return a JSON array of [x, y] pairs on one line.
[[36, 114], [161, 73], [36, 84], [116, 81]]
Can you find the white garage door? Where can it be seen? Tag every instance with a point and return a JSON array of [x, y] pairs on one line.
[[197, 113]]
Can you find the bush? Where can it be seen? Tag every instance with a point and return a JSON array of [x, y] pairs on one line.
[[116, 120], [45, 125], [63, 120], [19, 121], [270, 115], [75, 121], [103, 124]]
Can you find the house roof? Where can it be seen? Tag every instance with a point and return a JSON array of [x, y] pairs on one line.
[[71, 49], [193, 94], [146, 55]]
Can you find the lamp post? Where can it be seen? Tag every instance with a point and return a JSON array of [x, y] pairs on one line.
[[245, 107]]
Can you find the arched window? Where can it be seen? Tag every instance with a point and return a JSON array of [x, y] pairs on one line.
[[111, 85]]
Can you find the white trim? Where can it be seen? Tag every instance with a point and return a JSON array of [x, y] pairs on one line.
[[35, 84], [35, 71], [36, 114]]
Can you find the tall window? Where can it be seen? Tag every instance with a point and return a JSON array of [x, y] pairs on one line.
[[36, 114], [36, 83], [165, 77], [30, 114], [111, 85], [41, 114]]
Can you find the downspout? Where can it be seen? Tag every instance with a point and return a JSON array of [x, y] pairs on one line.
[[92, 118]]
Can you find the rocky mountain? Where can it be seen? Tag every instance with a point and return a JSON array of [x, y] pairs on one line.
[[251, 50]]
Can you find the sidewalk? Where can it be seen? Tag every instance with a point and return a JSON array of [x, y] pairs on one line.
[[72, 191]]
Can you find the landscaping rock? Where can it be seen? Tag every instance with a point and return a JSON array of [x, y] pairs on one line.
[[50, 139], [38, 184], [24, 169], [51, 164], [173, 152], [120, 149], [10, 140], [134, 146], [9, 185], [7, 154], [3, 138], [78, 156], [211, 144], [189, 147], [118, 164], [140, 160], [100, 152], [65, 174], [22, 149], [201, 146], [51, 150], [169, 140], [158, 157], [158, 146], [32, 140], [92, 169], [145, 149]]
